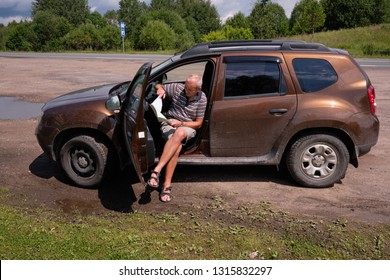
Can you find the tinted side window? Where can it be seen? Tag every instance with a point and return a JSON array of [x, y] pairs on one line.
[[314, 74], [253, 78]]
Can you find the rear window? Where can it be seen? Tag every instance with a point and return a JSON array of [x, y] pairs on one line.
[[253, 77], [314, 74]]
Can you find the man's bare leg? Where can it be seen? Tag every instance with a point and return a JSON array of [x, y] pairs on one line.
[[169, 170], [172, 149]]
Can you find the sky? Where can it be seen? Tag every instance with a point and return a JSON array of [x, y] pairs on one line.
[[21, 9]]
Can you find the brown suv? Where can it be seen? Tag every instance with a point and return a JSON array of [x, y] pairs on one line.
[[269, 103]]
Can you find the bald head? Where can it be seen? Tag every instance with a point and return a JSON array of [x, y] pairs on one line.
[[194, 80]]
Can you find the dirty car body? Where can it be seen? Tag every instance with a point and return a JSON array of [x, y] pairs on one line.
[[302, 105]]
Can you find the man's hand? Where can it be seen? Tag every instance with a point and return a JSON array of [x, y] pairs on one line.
[[160, 91], [175, 123]]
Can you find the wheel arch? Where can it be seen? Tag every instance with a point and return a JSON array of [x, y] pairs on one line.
[[68, 134], [340, 134]]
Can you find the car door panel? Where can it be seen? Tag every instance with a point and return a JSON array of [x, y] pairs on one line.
[[256, 103], [135, 130], [249, 127]]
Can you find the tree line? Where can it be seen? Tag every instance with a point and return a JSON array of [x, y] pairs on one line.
[[58, 25]]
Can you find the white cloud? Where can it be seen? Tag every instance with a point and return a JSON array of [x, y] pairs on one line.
[[230, 8], [6, 20], [102, 6], [288, 5], [11, 10]]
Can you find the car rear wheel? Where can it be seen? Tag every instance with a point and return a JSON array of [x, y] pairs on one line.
[[84, 159], [318, 160]]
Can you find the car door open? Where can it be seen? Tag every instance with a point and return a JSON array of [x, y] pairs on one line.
[[135, 130]]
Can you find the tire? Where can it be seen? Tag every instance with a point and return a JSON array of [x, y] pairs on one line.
[[317, 160], [84, 159]]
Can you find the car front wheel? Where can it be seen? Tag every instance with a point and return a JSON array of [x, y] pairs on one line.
[[318, 160], [84, 159]]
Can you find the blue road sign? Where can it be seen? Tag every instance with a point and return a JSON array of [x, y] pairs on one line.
[[123, 31]]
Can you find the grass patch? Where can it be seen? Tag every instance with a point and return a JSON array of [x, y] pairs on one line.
[[371, 41], [214, 232]]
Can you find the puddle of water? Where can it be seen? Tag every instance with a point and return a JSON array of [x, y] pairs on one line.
[[13, 109]]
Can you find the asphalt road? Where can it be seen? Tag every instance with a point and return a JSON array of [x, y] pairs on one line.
[[364, 62], [133, 57]]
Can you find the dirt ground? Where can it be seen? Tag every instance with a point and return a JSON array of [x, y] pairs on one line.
[[33, 180]]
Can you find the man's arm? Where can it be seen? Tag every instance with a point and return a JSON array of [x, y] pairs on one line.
[[193, 124], [160, 91]]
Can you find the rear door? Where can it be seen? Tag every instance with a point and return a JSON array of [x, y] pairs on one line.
[[135, 129], [255, 105]]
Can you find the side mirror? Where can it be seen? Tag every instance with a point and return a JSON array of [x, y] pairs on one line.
[[113, 104]]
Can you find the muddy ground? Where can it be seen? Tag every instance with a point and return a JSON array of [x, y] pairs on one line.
[[33, 180]]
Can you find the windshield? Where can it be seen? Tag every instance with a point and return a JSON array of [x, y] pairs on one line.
[[122, 88], [163, 64], [136, 92]]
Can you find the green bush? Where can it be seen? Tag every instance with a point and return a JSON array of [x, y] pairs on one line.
[[3, 37], [20, 37], [371, 41], [229, 33], [157, 35], [170, 18], [110, 37], [193, 27], [184, 41], [84, 37], [49, 29], [368, 49]]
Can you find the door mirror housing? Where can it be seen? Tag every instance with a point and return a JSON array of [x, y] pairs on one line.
[[113, 103]]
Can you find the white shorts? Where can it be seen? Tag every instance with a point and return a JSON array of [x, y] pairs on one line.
[[168, 130]]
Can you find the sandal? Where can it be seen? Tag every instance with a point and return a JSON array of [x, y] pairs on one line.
[[166, 192], [155, 178]]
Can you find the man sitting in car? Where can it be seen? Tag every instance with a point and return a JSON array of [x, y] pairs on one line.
[[185, 115]]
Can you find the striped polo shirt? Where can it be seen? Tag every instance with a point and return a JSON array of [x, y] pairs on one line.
[[181, 108]]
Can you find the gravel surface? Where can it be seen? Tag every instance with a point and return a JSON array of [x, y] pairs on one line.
[[364, 194]]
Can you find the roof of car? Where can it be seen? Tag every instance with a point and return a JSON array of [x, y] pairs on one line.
[[245, 45]]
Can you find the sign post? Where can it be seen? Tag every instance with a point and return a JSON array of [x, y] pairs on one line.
[[123, 34]]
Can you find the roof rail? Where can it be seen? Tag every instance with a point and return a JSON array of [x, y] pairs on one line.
[[306, 47], [240, 45]]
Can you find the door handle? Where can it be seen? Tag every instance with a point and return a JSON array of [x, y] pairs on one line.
[[278, 112]]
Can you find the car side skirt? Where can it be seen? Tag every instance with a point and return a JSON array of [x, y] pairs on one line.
[[199, 159]]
